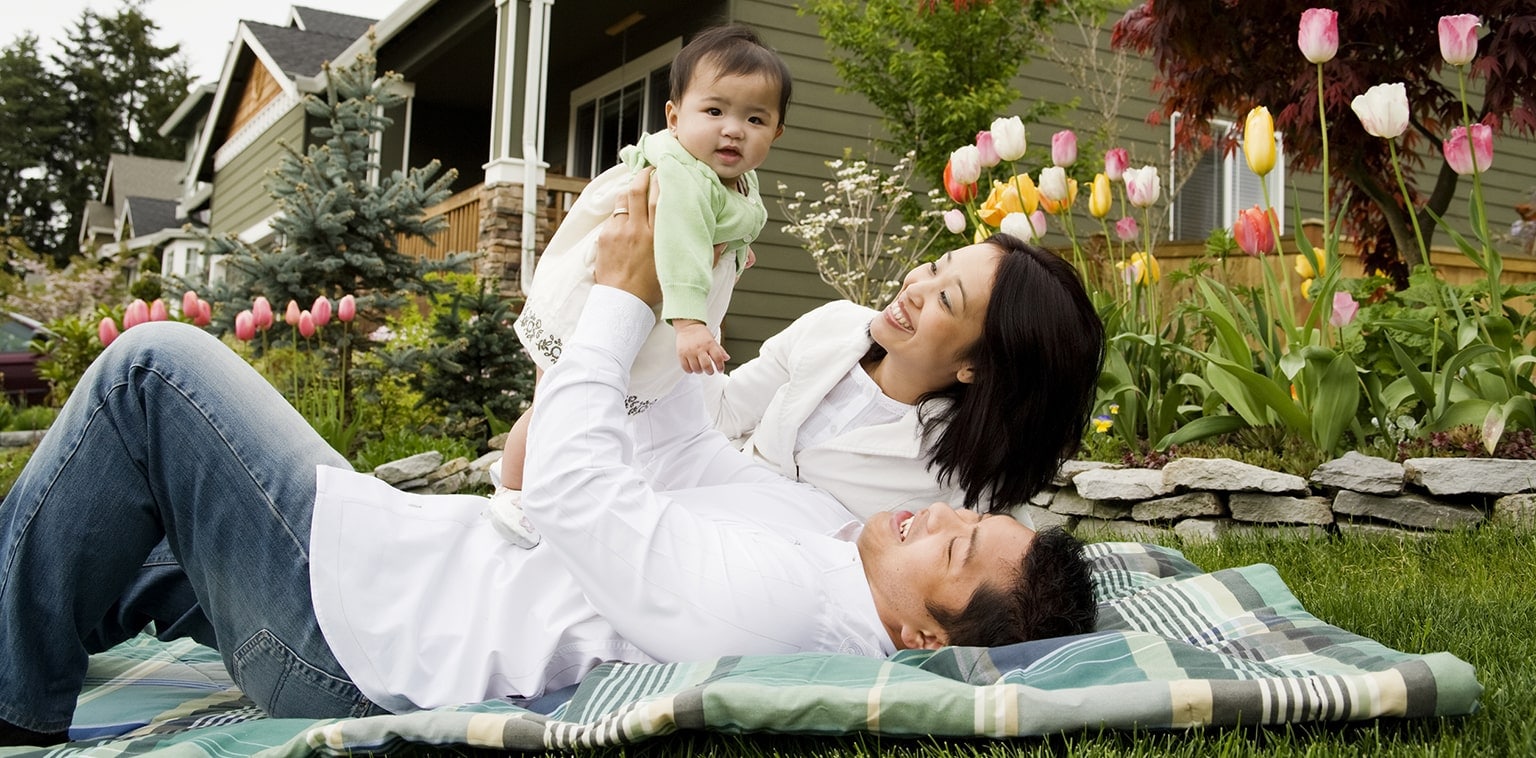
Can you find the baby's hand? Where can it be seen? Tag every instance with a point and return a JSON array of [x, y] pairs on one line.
[[697, 350]]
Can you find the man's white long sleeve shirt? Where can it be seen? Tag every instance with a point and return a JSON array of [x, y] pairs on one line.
[[425, 605]]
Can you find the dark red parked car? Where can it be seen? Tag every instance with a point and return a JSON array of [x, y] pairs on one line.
[[18, 364]]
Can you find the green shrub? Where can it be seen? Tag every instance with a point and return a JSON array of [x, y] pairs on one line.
[[29, 418], [67, 354], [403, 443], [12, 461]]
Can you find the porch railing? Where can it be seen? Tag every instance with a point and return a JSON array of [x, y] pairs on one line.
[[462, 211]]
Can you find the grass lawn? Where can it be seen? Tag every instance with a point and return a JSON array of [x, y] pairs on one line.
[[1472, 594]]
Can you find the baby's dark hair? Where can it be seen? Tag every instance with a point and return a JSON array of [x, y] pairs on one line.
[[734, 50]]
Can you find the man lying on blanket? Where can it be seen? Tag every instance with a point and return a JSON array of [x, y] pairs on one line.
[[331, 594]]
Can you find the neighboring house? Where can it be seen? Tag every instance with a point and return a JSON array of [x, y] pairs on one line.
[[136, 213], [541, 94]]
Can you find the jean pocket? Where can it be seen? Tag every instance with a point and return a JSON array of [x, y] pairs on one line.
[[287, 686]]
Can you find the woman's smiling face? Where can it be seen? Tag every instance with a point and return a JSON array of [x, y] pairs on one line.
[[931, 325]]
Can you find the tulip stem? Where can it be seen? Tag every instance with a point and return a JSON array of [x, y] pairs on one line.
[[1413, 213], [1322, 124]]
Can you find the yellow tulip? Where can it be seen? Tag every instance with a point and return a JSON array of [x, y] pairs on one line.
[[1018, 195], [1101, 199], [1060, 206], [1306, 288], [1304, 267], [1141, 269], [1259, 141]]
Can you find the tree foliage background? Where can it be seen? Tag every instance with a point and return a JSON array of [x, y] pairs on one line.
[[1223, 57], [938, 70], [107, 90]]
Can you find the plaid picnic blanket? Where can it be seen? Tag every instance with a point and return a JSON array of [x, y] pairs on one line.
[[1175, 648]]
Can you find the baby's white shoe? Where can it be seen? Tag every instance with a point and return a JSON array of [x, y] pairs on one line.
[[506, 512]]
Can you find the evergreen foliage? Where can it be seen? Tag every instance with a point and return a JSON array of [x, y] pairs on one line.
[[31, 120], [337, 228], [938, 71], [475, 368]]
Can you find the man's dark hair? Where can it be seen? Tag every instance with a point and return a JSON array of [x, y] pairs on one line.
[[734, 50], [1036, 366], [1051, 595]]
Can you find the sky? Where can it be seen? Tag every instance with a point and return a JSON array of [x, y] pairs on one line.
[[203, 28]]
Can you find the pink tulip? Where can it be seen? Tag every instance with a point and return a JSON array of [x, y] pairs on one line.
[[1115, 162], [158, 311], [1461, 152], [1318, 37], [346, 310], [322, 311], [1344, 309], [954, 220], [245, 326], [307, 324], [189, 307], [1458, 38], [204, 315], [1064, 148], [1254, 232], [106, 331], [291, 316], [1126, 229], [137, 313], [261, 309], [989, 156]]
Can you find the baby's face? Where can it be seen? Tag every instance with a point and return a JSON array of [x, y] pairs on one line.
[[729, 122]]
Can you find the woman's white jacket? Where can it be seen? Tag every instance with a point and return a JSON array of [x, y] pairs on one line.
[[763, 403]]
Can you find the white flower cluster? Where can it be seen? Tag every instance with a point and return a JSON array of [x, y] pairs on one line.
[[860, 233]]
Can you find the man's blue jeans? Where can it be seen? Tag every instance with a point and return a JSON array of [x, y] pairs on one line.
[[170, 440]]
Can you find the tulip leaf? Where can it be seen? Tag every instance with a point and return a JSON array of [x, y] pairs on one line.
[[1493, 428], [1291, 364], [1235, 393], [1263, 390], [1415, 377], [1454, 367], [1337, 403], [1466, 334], [1469, 412], [1500, 331], [1520, 409], [1201, 428], [1232, 342], [1396, 393], [1412, 326]]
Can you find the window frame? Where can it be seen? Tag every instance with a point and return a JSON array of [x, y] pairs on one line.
[[1233, 166], [639, 70]]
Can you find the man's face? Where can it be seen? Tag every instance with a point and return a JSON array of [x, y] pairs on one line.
[[939, 555]]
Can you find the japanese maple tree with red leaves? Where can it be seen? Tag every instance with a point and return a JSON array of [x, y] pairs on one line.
[[1222, 57]]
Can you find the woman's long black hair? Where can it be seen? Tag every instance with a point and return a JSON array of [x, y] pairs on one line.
[[1036, 366]]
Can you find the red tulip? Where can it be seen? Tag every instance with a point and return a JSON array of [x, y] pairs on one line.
[[204, 315], [245, 326], [106, 331], [346, 310], [307, 324], [291, 316], [960, 193], [322, 311], [1253, 231], [189, 307], [137, 313], [261, 310]]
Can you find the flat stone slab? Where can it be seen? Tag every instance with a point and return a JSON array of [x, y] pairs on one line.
[[1410, 509], [1279, 509], [415, 467], [1121, 484], [1360, 473], [1128, 531], [1515, 510], [1070, 469], [1227, 475], [21, 439], [1068, 502], [1471, 476], [1202, 529], [1182, 506], [1362, 529], [1042, 519]]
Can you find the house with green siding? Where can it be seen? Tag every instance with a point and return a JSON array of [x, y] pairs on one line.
[[528, 99]]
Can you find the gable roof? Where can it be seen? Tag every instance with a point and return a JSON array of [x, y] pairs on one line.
[[331, 23], [133, 175], [295, 51], [147, 215]]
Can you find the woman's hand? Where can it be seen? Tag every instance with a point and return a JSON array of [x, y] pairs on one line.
[[626, 246]]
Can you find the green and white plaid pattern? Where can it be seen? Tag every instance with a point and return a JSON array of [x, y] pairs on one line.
[[1175, 648]]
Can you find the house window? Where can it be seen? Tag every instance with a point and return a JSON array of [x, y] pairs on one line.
[[1218, 186], [615, 109]]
